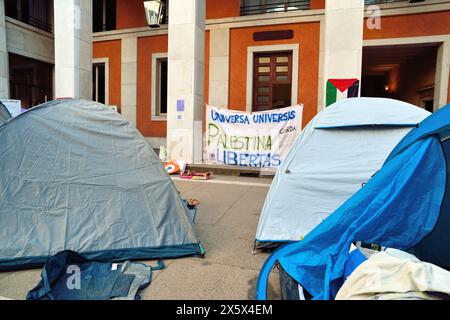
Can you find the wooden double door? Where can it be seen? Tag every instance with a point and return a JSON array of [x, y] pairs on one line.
[[272, 83]]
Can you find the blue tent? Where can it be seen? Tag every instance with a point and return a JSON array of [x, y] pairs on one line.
[[406, 206]]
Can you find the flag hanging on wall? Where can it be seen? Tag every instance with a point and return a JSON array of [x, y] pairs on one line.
[[338, 89]]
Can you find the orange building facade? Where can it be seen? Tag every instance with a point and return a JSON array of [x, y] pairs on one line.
[[231, 36]]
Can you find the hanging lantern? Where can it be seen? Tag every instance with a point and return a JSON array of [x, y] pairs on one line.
[[154, 11]]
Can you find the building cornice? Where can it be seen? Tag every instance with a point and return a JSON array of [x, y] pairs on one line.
[[16, 24], [404, 8], [433, 39], [32, 43], [318, 15], [227, 23]]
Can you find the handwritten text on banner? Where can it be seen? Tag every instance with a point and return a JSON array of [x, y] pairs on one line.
[[258, 139]]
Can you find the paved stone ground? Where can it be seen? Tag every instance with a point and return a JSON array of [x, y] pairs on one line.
[[226, 223]]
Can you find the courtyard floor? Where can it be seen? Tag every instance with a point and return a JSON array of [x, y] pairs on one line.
[[226, 223]]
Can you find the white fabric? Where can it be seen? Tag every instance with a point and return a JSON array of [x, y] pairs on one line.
[[258, 139], [325, 167], [354, 112], [394, 274]]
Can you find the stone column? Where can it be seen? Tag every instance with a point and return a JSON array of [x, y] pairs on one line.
[[129, 80], [186, 79], [73, 48], [341, 43], [219, 67], [442, 76], [4, 82]]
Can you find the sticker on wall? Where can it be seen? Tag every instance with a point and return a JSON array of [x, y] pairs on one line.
[[180, 110], [338, 89]]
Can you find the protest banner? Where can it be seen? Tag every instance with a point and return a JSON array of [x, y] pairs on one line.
[[257, 139]]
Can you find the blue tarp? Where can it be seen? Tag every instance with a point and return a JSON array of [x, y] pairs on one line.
[[434, 247], [438, 123], [397, 208]]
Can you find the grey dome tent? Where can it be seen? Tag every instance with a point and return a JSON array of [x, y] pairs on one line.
[[336, 153], [4, 114], [75, 175]]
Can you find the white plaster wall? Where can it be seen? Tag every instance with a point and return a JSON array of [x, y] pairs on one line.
[[186, 58], [22, 39], [73, 48], [442, 76], [219, 67], [4, 87], [341, 42], [129, 80]]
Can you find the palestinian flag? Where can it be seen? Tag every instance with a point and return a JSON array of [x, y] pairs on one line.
[[338, 89]]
